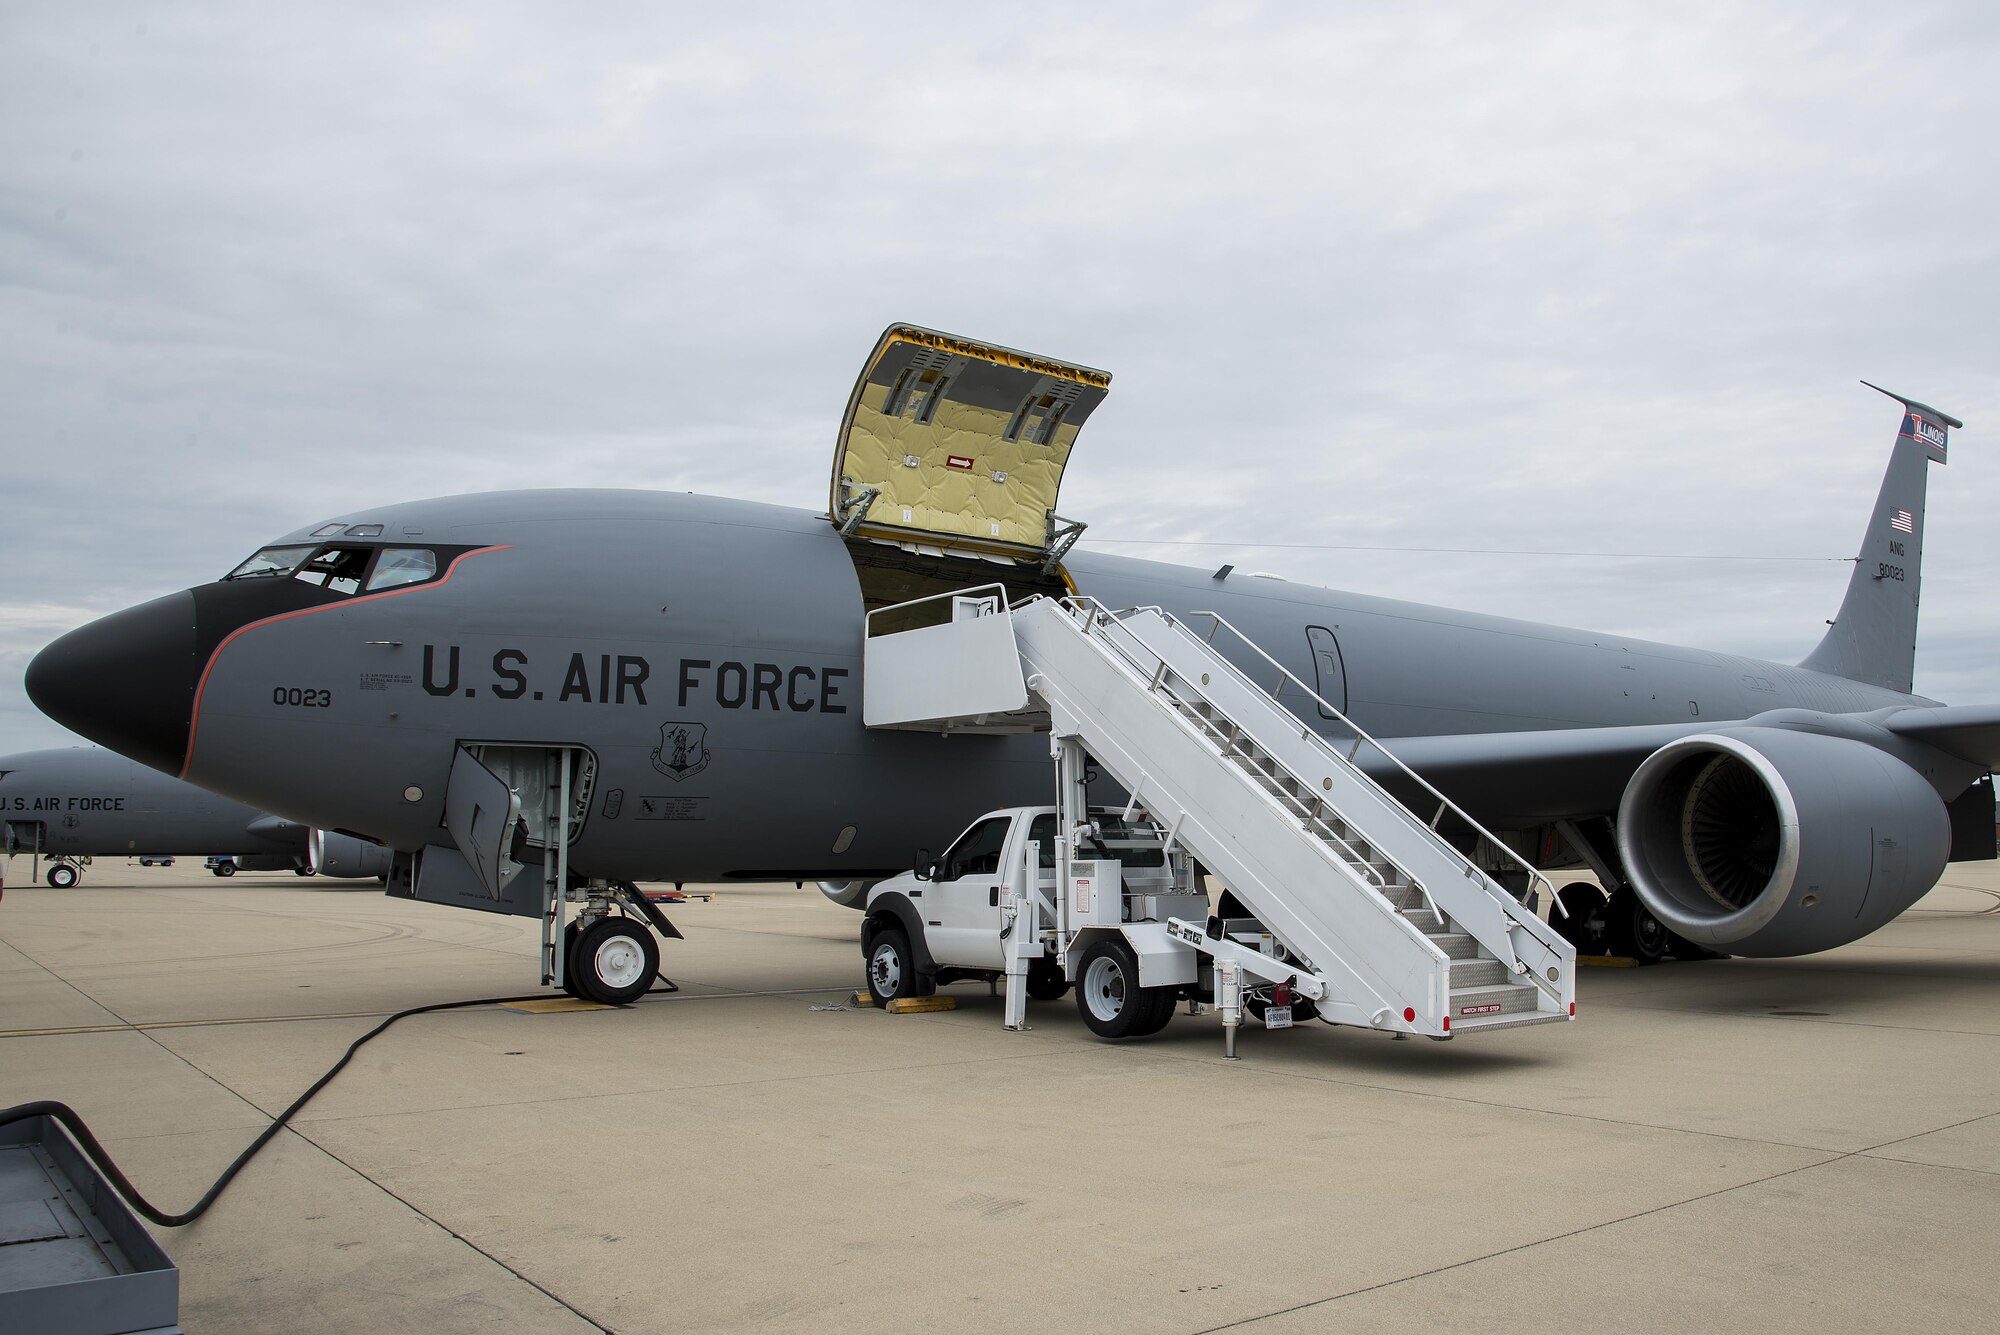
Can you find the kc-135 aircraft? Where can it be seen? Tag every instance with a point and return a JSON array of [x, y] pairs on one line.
[[672, 684], [84, 802]]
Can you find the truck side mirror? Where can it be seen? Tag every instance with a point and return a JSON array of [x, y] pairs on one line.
[[924, 869]]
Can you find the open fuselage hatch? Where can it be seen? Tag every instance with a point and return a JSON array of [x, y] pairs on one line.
[[950, 457]]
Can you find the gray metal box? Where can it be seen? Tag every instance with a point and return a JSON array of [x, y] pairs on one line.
[[73, 1258]]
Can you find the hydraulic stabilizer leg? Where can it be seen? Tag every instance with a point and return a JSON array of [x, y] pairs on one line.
[[1023, 937], [1229, 1000]]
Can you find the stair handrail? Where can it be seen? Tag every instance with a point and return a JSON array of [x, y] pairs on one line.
[[1361, 735], [1086, 620]]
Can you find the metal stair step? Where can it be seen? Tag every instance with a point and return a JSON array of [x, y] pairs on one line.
[[1478, 971], [1471, 1003], [1455, 945]]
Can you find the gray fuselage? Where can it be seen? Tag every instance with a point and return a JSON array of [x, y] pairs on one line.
[[87, 802], [708, 652]]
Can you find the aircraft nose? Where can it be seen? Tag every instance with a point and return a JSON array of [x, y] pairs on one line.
[[125, 681]]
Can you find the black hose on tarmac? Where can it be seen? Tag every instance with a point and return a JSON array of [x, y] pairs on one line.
[[100, 1156]]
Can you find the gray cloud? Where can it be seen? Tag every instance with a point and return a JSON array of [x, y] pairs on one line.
[[1575, 277]]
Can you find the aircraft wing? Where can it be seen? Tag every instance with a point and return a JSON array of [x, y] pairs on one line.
[[1526, 777], [1970, 732]]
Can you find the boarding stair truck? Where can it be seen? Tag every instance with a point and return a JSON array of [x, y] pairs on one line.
[[1338, 892]]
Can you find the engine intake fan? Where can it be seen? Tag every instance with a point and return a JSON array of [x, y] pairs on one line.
[[1768, 841]]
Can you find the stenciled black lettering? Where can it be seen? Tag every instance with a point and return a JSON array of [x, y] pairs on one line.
[[632, 674], [688, 683], [507, 667], [765, 680], [604, 679], [576, 681], [827, 690], [792, 690], [731, 697], [450, 684]]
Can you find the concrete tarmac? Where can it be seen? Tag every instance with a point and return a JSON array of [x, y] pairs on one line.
[[1756, 1145]]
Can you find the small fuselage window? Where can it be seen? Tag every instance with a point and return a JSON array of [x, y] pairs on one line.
[[403, 565]]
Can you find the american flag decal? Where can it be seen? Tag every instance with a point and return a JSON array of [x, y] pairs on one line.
[[1903, 522]]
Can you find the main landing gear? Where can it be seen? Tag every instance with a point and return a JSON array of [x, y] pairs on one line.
[[1620, 924]]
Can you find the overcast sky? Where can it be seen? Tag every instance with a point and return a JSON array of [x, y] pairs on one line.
[[1560, 277]]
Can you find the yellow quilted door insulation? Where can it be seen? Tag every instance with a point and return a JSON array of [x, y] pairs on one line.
[[964, 443]]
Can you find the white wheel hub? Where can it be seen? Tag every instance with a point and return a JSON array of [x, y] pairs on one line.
[[619, 961], [1104, 987], [886, 969]]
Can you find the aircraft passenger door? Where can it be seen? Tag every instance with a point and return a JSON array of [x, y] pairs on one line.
[[1329, 669], [961, 908]]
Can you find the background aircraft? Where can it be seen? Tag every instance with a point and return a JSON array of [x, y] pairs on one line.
[[85, 802], [690, 668]]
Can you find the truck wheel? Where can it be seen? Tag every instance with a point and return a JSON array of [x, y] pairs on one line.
[[62, 876], [1045, 982], [615, 961], [1108, 995], [225, 869], [302, 871], [892, 969]]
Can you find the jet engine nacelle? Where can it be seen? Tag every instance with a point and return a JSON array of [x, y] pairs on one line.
[[847, 894], [1765, 841], [335, 854]]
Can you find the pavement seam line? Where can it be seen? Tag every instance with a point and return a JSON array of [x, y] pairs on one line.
[[1839, 1157], [454, 1234], [1522, 1246]]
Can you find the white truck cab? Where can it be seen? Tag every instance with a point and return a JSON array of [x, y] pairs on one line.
[[951, 917]]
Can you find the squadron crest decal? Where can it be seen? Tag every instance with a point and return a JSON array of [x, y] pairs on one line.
[[683, 750]]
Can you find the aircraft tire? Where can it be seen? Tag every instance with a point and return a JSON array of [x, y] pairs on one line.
[[892, 968], [62, 876], [615, 961], [1045, 982], [570, 964], [1634, 932], [1585, 927], [1109, 998]]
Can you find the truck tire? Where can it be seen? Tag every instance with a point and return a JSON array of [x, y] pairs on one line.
[[1045, 982], [892, 969], [1108, 995]]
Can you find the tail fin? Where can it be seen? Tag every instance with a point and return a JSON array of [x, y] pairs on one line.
[[1873, 638]]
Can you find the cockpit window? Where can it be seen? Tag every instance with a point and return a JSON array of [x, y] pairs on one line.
[[327, 530], [365, 531], [270, 561], [403, 565], [336, 569]]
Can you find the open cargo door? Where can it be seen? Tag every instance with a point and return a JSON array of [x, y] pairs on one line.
[[958, 445]]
